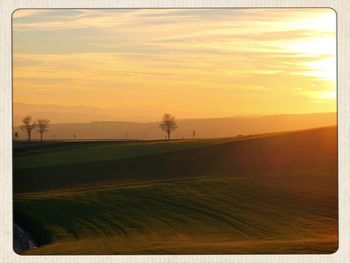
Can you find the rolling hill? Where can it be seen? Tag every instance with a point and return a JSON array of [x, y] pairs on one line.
[[273, 193]]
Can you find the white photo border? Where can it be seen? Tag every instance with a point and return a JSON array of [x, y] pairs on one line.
[[341, 7]]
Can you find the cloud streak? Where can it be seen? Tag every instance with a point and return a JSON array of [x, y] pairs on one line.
[[240, 59]]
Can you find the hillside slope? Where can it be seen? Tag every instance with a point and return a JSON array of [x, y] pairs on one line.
[[278, 155], [273, 194]]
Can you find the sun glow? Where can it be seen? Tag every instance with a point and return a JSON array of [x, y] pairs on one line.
[[323, 68], [328, 95], [321, 56], [320, 49]]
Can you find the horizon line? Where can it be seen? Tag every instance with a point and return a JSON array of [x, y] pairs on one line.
[[248, 116]]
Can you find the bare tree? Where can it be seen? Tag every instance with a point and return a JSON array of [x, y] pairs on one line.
[[168, 124], [28, 126], [42, 127]]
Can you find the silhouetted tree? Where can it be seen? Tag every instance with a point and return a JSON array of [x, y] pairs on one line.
[[28, 126], [42, 127], [168, 124]]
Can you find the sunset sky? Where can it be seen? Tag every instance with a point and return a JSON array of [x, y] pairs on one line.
[[195, 63]]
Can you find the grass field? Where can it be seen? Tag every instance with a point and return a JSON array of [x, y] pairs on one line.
[[261, 194]]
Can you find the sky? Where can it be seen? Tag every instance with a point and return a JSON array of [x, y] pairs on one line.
[[137, 64]]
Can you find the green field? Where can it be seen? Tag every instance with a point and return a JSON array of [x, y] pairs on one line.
[[260, 194]]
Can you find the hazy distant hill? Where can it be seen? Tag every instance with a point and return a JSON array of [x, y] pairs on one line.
[[84, 114], [205, 128], [60, 114]]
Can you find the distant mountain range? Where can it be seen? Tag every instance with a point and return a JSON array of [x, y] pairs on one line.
[[204, 128]]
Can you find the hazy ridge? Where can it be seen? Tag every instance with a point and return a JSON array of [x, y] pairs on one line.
[[204, 128]]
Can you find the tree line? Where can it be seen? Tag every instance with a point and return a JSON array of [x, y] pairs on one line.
[[29, 126], [167, 124]]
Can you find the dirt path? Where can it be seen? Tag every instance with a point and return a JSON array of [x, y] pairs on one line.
[[22, 240]]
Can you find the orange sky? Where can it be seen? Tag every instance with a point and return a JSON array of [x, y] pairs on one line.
[[194, 63]]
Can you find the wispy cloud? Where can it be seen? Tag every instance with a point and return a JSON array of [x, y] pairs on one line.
[[199, 57]]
